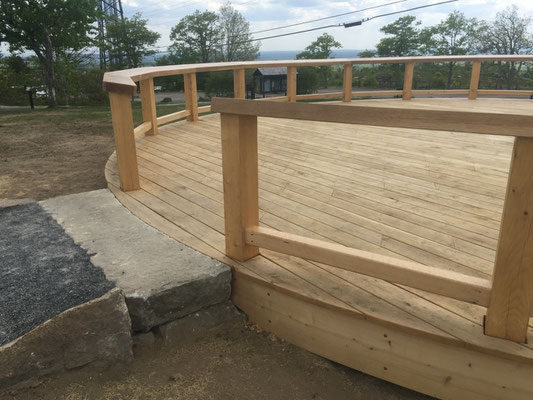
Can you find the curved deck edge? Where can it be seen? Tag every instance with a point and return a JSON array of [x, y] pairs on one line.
[[415, 362]]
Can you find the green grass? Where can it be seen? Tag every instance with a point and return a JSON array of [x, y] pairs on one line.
[[99, 115]]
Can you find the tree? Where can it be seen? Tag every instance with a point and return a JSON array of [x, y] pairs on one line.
[[403, 38], [47, 28], [507, 34], [235, 34], [130, 39], [196, 37], [321, 48], [453, 36]]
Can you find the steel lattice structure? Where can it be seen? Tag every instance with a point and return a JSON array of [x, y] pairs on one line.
[[111, 9]]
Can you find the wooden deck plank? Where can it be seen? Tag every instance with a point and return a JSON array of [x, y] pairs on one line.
[[349, 192]]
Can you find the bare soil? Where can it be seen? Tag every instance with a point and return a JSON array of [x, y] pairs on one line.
[[47, 153], [231, 362]]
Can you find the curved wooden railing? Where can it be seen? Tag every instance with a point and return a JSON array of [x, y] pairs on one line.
[[123, 84], [509, 296]]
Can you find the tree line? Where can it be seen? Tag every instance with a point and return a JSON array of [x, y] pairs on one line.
[[62, 33]]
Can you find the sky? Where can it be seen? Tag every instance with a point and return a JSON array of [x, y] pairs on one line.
[[265, 14]]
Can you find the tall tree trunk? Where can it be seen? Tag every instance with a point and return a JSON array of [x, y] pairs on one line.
[[49, 72]]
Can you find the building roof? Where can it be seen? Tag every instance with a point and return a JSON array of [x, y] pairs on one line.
[[272, 71]]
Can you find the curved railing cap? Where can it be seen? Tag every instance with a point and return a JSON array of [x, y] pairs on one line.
[[124, 81]]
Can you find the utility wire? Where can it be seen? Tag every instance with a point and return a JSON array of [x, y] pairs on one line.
[[346, 25], [332, 16]]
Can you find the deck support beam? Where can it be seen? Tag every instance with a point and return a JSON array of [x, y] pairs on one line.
[[191, 98], [512, 287], [239, 87], [474, 80], [408, 81], [124, 140], [240, 178], [347, 83], [148, 104], [291, 84]]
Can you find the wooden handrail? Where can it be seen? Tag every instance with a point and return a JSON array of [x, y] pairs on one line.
[[508, 298], [456, 121], [124, 81]]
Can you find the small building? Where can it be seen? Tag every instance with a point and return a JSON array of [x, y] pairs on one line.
[[271, 80]]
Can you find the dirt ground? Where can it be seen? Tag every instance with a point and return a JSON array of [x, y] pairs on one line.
[[231, 362], [46, 153]]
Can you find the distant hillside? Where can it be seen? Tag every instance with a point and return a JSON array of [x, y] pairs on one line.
[[274, 55], [291, 54]]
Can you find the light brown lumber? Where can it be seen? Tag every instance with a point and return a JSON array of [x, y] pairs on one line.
[[191, 97], [512, 285], [165, 119], [318, 96], [474, 80], [124, 81], [124, 140], [291, 84], [370, 93], [455, 121], [421, 364], [408, 81], [240, 177], [434, 280], [239, 87], [204, 109], [148, 105], [506, 92], [142, 129], [347, 83]]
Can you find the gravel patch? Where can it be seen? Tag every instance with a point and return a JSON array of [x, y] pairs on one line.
[[42, 271]]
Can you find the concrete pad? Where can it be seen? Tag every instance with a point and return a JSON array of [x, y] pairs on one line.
[[162, 279], [98, 330]]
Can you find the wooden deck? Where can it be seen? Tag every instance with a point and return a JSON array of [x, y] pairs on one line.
[[429, 196]]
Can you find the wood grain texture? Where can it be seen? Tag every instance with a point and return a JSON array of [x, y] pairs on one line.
[[291, 83], [512, 286], [347, 83], [474, 80], [408, 81], [124, 140], [241, 193], [428, 197], [355, 113], [148, 105], [434, 280], [239, 84], [191, 96]]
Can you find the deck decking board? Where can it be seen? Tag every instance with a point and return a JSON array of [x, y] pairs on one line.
[[333, 228], [307, 194]]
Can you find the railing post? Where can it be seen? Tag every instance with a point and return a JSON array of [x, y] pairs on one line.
[[291, 84], [148, 104], [347, 83], [408, 81], [122, 117], [239, 87], [512, 279], [240, 178], [191, 97], [474, 80]]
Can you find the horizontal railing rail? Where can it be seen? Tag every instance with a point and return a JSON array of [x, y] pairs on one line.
[[508, 297]]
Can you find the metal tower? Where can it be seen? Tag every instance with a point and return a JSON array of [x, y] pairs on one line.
[[111, 10]]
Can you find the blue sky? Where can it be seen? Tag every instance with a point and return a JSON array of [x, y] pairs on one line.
[[264, 14]]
